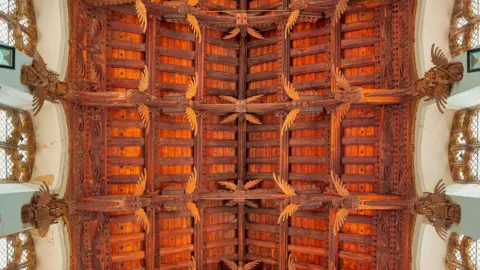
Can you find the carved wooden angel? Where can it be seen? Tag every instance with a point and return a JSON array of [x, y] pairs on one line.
[[44, 209], [438, 81], [439, 210], [43, 83], [240, 266]]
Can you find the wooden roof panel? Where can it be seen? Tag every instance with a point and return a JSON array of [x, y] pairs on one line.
[[242, 151]]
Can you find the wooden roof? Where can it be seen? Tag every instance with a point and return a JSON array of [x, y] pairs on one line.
[[371, 149]]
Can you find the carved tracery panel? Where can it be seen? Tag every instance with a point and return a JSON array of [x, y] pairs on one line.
[[464, 155], [465, 26], [17, 25], [17, 145]]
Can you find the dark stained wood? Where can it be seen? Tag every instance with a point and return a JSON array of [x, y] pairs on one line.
[[305, 69], [221, 59], [126, 27], [308, 50], [223, 76], [262, 59], [136, 64], [127, 45], [175, 69], [182, 54]]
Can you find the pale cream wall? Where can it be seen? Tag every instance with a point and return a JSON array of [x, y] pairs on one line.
[[53, 250], [433, 24], [52, 25], [432, 131]]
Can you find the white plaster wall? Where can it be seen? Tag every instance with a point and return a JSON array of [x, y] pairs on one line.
[[53, 250], [51, 136], [432, 135], [433, 24], [428, 250], [52, 26]]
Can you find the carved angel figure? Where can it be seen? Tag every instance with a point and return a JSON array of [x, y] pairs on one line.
[[43, 83], [438, 81], [439, 210], [241, 266], [44, 209]]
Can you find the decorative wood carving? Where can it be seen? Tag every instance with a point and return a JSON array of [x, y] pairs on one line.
[[44, 209], [43, 83], [437, 82], [168, 151], [439, 210]]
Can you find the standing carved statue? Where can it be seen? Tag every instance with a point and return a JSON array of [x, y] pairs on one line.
[[438, 81], [44, 84], [45, 209]]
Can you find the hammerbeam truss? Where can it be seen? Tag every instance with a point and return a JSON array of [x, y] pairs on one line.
[[371, 45]]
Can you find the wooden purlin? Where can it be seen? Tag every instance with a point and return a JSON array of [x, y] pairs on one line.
[[242, 140], [198, 151], [150, 237], [284, 63], [335, 143]]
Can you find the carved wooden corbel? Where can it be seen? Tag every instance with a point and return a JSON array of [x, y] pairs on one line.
[[438, 80]]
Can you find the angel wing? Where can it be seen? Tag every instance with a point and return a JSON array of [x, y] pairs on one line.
[[254, 33], [251, 265], [252, 183], [438, 56], [251, 204], [43, 225], [195, 26], [342, 82], [142, 14], [192, 182], [144, 112], [39, 64], [290, 90], [253, 98], [440, 188], [284, 186], [288, 212], [292, 19], [339, 186], [252, 119], [192, 88], [141, 217], [194, 210], [441, 95], [440, 229], [193, 264], [192, 3], [341, 112], [229, 118], [233, 33], [230, 264], [228, 185], [229, 99], [339, 220], [43, 194], [292, 115], [192, 119], [38, 99], [142, 181], [291, 263], [143, 85], [97, 66], [339, 10]]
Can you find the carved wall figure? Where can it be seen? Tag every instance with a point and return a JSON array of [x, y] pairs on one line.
[[43, 83], [437, 82]]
